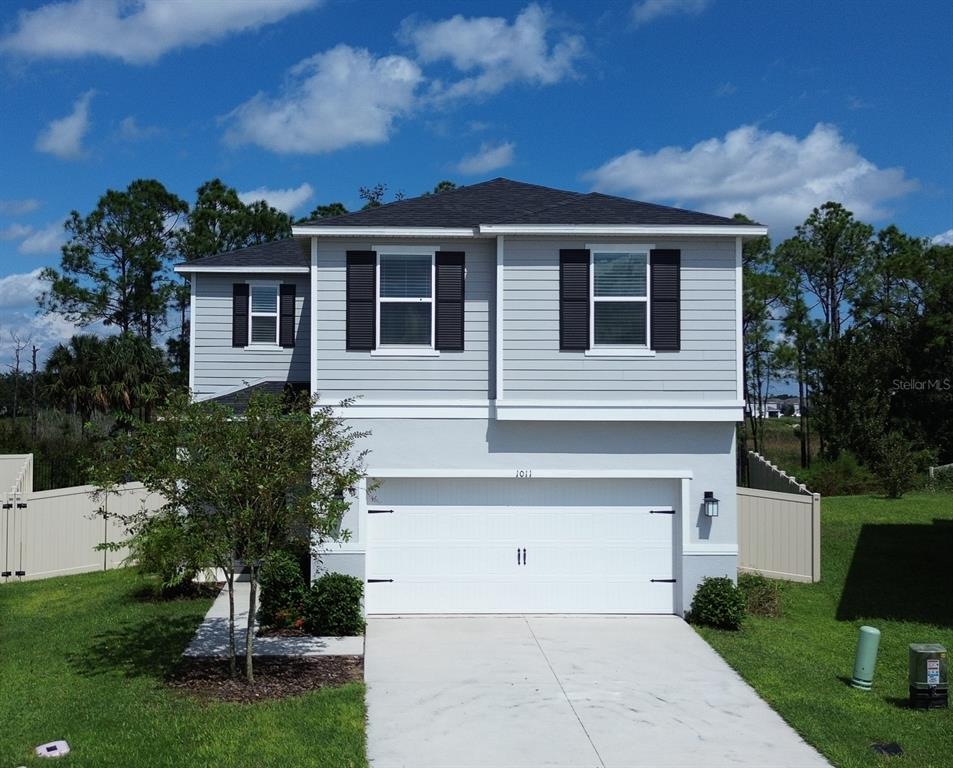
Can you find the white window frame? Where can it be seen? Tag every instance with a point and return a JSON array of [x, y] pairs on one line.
[[622, 350], [421, 350], [265, 345]]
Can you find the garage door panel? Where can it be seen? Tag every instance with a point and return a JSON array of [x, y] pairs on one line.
[[447, 557]]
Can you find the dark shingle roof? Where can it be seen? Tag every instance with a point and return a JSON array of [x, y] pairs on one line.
[[502, 201], [278, 253], [499, 201], [238, 400]]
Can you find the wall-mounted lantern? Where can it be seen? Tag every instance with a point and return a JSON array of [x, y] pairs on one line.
[[711, 504]]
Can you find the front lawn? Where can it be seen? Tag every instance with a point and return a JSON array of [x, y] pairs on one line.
[[885, 563], [82, 658]]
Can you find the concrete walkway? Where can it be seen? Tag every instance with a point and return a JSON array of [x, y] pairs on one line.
[[211, 638], [561, 692]]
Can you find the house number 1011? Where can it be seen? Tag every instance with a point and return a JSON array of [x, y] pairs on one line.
[[524, 474]]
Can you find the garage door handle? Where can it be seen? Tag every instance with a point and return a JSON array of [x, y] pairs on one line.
[[661, 511], [662, 581], [380, 581], [380, 511]]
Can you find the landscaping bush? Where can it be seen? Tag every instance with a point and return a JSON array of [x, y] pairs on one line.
[[718, 603], [159, 550], [282, 590], [895, 464], [332, 606], [762, 595], [844, 476]]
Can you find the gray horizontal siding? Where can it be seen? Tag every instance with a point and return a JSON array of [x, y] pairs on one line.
[[218, 367], [465, 375], [535, 368]]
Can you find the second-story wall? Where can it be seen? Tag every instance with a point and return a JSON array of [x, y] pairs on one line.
[[705, 368], [217, 366], [466, 375]]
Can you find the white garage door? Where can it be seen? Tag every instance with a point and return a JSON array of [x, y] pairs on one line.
[[520, 546]]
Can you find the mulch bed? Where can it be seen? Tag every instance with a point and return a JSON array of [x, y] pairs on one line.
[[276, 677]]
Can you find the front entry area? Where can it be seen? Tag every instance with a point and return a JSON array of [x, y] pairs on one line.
[[521, 545]]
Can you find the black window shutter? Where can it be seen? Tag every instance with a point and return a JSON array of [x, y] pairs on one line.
[[286, 314], [450, 295], [239, 314], [666, 331], [573, 300], [361, 290]]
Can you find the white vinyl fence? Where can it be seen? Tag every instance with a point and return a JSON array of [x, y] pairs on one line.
[[779, 525], [56, 532]]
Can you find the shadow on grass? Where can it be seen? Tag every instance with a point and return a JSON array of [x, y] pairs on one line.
[[150, 648], [901, 572]]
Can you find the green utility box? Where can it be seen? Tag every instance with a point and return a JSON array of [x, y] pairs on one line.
[[929, 676]]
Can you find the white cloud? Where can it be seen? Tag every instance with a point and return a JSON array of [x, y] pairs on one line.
[[137, 31], [944, 238], [287, 200], [19, 207], [647, 11], [20, 290], [47, 240], [131, 131], [64, 136], [15, 231], [332, 100], [775, 177], [489, 158], [19, 316], [496, 51]]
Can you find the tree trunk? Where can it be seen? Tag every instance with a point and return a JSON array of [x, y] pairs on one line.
[[801, 409], [250, 632], [232, 651], [33, 414]]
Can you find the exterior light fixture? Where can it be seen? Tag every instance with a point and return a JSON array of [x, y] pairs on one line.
[[711, 504]]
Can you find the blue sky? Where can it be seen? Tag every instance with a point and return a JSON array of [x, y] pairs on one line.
[[766, 108]]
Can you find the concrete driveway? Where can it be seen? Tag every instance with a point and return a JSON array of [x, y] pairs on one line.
[[557, 691]]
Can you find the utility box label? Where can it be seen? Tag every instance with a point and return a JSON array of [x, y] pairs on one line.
[[933, 671]]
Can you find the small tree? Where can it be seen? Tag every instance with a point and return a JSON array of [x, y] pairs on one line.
[[238, 487]]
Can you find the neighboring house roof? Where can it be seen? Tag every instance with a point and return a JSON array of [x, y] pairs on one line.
[[238, 399], [289, 253], [503, 201]]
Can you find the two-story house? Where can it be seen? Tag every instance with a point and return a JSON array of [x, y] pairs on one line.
[[550, 380]]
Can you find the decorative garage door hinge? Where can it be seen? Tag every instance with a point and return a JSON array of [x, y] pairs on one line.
[[661, 511], [663, 581], [380, 511], [379, 581]]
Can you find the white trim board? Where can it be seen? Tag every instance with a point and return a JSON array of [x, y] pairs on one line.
[[739, 314], [183, 269], [608, 411], [537, 474], [193, 300], [742, 230]]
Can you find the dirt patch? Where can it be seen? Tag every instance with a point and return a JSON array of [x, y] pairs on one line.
[[276, 677]]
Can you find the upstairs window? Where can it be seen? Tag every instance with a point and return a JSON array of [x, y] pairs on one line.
[[263, 313], [620, 298], [406, 300]]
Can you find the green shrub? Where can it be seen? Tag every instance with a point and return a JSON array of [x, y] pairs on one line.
[[332, 606], [160, 550], [843, 476], [718, 603], [762, 595], [282, 590], [895, 464]]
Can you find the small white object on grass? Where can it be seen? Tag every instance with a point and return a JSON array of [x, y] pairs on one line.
[[53, 749]]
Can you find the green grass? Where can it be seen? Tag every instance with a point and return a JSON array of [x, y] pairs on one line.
[[887, 563], [82, 658]]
